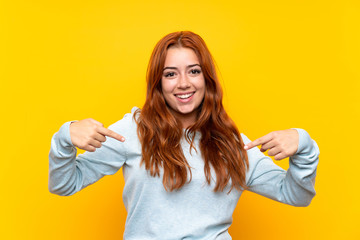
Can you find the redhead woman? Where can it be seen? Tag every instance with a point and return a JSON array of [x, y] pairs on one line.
[[184, 161]]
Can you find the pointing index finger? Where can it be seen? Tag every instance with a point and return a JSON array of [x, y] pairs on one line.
[[257, 142], [109, 133]]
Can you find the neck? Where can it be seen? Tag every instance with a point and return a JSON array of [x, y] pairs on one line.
[[185, 119]]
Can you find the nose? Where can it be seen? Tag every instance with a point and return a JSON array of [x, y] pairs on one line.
[[183, 82]]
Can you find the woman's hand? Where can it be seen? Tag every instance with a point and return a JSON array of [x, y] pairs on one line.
[[281, 144], [88, 134]]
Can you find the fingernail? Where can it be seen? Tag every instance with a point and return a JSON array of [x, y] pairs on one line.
[[122, 139], [246, 147]]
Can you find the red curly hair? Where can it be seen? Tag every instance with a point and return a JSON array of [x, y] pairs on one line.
[[160, 132]]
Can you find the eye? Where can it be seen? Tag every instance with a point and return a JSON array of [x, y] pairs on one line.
[[195, 71], [169, 74]]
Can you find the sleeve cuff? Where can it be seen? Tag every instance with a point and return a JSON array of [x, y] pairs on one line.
[[305, 142], [64, 135]]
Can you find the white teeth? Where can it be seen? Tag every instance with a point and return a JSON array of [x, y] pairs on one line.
[[185, 95]]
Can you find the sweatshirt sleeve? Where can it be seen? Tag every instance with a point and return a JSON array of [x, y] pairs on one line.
[[294, 186], [69, 174]]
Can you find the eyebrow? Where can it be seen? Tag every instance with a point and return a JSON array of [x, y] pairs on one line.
[[189, 66]]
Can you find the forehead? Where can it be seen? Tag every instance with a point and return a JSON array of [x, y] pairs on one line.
[[180, 56]]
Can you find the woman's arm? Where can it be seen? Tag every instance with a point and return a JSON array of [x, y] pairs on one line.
[[294, 186], [69, 174]]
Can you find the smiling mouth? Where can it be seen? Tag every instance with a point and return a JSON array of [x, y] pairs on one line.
[[185, 96]]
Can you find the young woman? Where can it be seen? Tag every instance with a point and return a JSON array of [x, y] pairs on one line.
[[184, 161]]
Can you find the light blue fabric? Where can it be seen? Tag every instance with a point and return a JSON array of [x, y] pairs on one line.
[[193, 212]]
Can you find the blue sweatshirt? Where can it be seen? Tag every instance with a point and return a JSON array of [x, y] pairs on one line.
[[195, 211]]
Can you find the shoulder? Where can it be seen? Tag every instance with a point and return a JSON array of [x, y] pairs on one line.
[[245, 138], [126, 125], [254, 154]]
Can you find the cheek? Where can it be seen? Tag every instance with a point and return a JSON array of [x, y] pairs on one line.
[[203, 89], [163, 86], [165, 90], [201, 84], [167, 86]]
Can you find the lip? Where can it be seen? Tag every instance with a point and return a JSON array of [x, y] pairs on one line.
[[183, 93], [186, 99]]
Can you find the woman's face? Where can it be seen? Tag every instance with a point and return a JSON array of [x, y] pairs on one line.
[[183, 84]]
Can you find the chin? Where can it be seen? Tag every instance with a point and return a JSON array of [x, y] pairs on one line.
[[185, 110]]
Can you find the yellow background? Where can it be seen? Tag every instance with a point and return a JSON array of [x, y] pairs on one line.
[[283, 64]]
